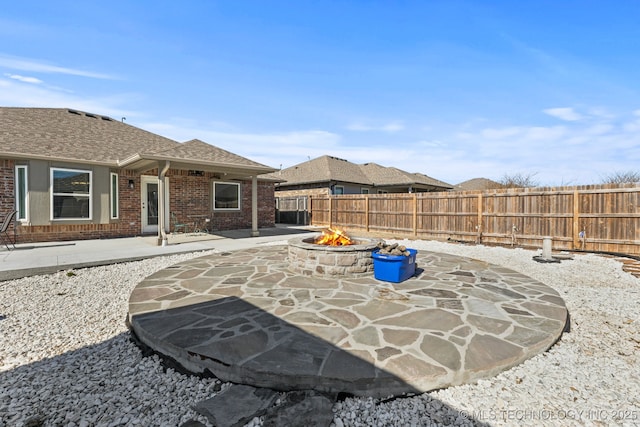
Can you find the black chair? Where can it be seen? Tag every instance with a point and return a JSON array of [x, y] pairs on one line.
[[4, 234]]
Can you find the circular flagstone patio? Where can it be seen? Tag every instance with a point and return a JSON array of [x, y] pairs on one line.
[[248, 319]]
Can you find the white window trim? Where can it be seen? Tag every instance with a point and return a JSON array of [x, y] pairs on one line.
[[336, 188], [364, 190], [26, 193], [114, 196], [51, 194], [213, 198]]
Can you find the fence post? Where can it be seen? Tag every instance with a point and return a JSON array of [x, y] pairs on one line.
[[366, 212], [330, 211], [415, 214], [576, 218], [479, 226]]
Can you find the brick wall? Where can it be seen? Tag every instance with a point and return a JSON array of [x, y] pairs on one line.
[[189, 196], [222, 220], [7, 194]]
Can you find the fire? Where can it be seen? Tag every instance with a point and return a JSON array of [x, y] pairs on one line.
[[333, 237]]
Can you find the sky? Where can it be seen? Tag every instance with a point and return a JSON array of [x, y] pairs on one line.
[[453, 89]]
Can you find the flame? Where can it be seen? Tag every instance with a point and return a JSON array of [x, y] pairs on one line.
[[333, 237]]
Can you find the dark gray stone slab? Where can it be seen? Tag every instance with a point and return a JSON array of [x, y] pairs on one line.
[[303, 409], [236, 405]]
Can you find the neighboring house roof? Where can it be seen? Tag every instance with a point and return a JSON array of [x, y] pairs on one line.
[[323, 169], [71, 135], [328, 168], [477, 184], [390, 176]]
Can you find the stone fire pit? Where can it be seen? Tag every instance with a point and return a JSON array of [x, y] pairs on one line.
[[310, 259]]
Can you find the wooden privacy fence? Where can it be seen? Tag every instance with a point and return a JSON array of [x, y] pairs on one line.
[[601, 218]]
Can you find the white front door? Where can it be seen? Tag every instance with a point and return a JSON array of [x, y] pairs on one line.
[[149, 198]]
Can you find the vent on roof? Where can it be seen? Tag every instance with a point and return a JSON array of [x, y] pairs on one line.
[[93, 116], [74, 112], [338, 158], [109, 119]]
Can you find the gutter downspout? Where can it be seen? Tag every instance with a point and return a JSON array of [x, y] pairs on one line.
[[162, 233], [254, 207]]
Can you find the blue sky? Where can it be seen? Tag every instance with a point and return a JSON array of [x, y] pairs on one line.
[[452, 89]]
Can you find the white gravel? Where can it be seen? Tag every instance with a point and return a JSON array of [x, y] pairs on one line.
[[66, 358]]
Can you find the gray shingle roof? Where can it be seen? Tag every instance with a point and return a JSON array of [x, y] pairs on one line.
[[329, 168], [71, 135], [196, 149], [390, 176], [323, 169]]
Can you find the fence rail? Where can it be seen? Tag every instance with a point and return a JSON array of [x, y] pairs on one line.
[[602, 218]]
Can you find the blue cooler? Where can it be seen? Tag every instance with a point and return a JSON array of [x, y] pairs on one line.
[[394, 268]]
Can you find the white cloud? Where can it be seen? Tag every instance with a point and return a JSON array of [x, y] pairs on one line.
[[567, 114], [599, 129], [537, 133], [431, 143], [393, 126], [633, 126], [15, 94], [571, 154], [600, 112], [24, 79], [577, 152], [24, 64], [270, 148], [508, 132]]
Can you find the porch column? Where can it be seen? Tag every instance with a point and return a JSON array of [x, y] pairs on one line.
[[254, 206], [162, 214]]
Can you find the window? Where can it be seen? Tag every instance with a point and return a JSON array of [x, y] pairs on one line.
[[226, 196], [70, 194], [113, 196], [382, 192], [338, 189], [22, 202], [364, 191]]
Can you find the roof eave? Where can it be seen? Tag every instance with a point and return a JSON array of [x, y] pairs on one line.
[[29, 156], [144, 161]]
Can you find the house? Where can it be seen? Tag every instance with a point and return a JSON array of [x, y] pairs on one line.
[[76, 175], [332, 175]]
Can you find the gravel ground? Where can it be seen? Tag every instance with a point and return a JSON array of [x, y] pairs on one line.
[[66, 357]]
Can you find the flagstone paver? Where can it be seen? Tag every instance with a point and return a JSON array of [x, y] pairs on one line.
[[247, 318]]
